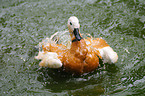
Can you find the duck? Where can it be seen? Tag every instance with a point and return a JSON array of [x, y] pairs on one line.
[[80, 55]]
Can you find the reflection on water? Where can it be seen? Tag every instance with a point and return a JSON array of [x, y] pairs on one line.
[[24, 23], [57, 81]]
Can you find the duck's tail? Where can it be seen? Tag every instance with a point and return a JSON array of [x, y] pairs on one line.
[[108, 55]]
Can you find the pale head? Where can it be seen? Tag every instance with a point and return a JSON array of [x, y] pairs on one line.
[[73, 23]]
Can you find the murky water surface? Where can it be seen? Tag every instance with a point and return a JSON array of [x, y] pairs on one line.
[[24, 23]]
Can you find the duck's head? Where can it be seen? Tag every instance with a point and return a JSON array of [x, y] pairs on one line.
[[74, 28]]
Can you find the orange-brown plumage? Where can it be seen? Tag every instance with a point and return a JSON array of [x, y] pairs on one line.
[[96, 43], [79, 59], [82, 56]]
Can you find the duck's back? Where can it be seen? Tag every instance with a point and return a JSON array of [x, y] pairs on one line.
[[96, 43]]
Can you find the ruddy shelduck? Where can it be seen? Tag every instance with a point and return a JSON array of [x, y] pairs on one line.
[[83, 54]]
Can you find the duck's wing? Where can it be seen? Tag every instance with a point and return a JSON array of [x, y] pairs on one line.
[[50, 51], [48, 54], [105, 51]]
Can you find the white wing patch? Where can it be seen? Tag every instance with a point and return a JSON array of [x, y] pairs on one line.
[[108, 55], [49, 59]]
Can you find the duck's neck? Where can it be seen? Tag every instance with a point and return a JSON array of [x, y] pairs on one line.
[[79, 49], [76, 43], [74, 40]]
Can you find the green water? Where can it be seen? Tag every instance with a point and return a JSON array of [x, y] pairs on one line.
[[24, 23]]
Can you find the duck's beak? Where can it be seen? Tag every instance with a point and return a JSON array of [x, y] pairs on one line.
[[77, 34]]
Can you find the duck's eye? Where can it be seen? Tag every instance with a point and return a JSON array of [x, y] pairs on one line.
[[70, 23]]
